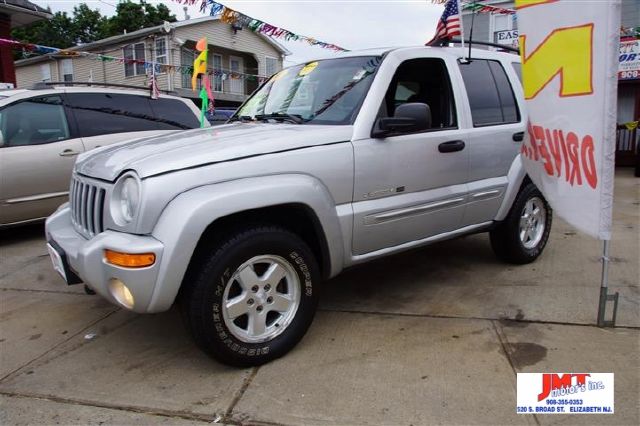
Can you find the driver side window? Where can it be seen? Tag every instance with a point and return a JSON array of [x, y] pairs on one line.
[[34, 121], [426, 81]]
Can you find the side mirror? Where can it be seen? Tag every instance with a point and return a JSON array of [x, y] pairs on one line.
[[409, 118]]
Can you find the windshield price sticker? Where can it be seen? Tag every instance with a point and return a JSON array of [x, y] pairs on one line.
[[307, 69], [565, 393]]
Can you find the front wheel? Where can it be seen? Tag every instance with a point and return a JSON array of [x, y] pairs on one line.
[[522, 236], [254, 298]]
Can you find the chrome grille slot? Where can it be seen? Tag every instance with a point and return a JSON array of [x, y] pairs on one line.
[[87, 206]]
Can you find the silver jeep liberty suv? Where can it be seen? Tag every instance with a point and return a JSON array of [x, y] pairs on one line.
[[329, 164]]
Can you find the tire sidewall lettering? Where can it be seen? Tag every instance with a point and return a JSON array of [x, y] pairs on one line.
[[304, 271]]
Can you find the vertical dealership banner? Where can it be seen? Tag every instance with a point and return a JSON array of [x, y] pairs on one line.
[[569, 51]]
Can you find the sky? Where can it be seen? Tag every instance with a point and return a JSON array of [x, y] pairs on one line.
[[352, 24]]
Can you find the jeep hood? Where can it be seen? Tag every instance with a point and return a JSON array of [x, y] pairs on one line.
[[192, 148]]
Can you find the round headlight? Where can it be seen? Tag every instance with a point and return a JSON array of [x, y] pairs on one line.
[[125, 199]]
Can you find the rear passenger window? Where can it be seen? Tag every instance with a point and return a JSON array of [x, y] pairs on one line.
[[490, 94], [106, 113], [173, 114]]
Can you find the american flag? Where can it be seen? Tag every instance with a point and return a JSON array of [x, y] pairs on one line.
[[449, 23]]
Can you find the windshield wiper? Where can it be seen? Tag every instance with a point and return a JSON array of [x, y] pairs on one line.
[[242, 118], [294, 118]]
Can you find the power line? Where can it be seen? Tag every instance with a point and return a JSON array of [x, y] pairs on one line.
[[108, 4]]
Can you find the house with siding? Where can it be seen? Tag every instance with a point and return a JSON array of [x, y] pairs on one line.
[[238, 60]]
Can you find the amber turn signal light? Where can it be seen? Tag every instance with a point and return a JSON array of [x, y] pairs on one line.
[[128, 260]]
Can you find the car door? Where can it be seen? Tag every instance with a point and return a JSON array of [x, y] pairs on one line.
[[409, 187], [495, 139], [37, 156]]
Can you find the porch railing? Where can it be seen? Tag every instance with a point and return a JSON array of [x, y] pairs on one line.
[[626, 145]]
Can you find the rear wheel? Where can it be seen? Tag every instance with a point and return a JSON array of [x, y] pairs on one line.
[[254, 298], [522, 236]]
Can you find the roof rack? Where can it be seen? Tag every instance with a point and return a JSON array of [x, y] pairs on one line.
[[482, 43], [46, 85]]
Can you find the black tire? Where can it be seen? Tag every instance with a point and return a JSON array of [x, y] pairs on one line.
[[202, 301], [505, 238]]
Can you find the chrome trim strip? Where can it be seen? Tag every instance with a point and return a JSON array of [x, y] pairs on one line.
[[410, 211], [485, 193], [36, 197], [417, 243]]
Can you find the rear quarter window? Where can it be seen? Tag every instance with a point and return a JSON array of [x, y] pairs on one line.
[[517, 67], [173, 114]]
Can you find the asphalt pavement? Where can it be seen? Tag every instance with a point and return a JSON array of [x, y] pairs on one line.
[[433, 336]]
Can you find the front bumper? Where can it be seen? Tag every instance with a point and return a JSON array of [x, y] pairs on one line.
[[85, 259]]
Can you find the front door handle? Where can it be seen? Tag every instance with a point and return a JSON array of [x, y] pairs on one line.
[[68, 153], [451, 146], [518, 137]]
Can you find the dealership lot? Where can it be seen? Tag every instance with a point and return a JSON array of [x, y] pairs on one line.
[[436, 335]]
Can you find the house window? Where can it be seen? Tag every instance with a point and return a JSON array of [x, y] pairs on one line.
[[67, 69], [217, 73], [161, 50], [45, 72], [271, 66], [186, 60], [134, 52]]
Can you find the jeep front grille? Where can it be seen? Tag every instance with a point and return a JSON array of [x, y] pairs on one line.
[[87, 205]]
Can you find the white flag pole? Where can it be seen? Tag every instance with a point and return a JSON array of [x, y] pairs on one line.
[[461, 27], [604, 296], [608, 156]]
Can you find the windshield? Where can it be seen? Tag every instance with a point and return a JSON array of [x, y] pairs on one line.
[[329, 91]]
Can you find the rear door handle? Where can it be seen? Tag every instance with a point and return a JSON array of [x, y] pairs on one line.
[[518, 137], [451, 146], [68, 153]]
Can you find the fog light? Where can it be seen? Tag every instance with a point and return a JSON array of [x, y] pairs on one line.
[[128, 260], [121, 293]]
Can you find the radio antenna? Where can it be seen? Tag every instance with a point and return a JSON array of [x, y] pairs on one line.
[[473, 15]]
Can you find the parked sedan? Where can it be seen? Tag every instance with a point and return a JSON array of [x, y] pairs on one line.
[[43, 130]]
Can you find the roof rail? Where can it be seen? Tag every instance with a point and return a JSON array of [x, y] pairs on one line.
[[482, 43], [46, 85]]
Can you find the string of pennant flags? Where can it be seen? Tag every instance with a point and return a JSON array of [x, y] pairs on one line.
[[159, 67], [478, 7], [235, 18]]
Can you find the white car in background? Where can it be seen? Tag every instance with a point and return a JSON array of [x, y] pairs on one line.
[[43, 130]]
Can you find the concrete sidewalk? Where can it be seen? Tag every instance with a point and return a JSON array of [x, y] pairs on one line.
[[434, 336]]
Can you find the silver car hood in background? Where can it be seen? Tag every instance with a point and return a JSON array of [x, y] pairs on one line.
[[192, 148]]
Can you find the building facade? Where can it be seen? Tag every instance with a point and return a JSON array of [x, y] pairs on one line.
[[15, 13], [238, 60], [503, 29]]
